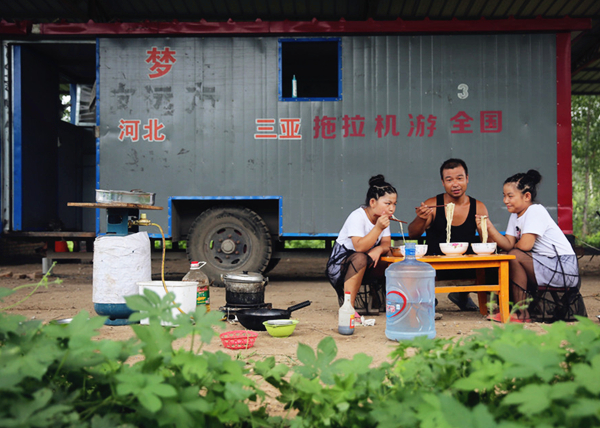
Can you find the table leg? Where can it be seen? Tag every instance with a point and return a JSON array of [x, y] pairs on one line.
[[504, 291], [483, 309], [482, 295]]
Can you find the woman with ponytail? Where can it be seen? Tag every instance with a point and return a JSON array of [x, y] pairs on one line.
[[364, 238], [544, 256]]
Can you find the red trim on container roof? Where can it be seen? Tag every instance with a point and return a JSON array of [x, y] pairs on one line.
[[20, 27], [432, 26], [564, 176], [152, 27], [315, 26]]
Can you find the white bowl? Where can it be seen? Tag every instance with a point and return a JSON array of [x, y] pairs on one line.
[[420, 250], [484, 248], [454, 248]]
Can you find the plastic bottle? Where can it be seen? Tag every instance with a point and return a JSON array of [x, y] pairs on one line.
[[203, 292], [410, 298], [294, 87], [346, 316]]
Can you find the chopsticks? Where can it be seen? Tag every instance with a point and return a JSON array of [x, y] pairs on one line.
[[431, 206], [399, 221]]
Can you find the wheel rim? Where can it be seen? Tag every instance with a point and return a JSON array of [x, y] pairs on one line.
[[228, 246]]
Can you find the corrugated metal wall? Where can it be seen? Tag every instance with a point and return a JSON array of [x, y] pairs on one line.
[[209, 100]]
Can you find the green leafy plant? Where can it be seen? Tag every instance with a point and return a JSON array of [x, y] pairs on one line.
[[325, 391], [501, 377], [507, 376], [57, 375], [305, 244]]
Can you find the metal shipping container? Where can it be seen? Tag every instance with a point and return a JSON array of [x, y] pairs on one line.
[[219, 128], [250, 141]]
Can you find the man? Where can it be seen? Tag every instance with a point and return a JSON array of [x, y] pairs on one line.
[[431, 219]]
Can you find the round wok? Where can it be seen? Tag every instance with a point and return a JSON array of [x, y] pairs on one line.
[[253, 319]]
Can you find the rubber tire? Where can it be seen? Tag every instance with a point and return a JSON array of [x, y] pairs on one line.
[[252, 237], [272, 264]]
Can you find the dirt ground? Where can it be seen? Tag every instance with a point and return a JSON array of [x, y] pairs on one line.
[[291, 282]]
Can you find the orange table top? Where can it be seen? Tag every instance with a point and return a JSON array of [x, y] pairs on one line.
[[466, 258]]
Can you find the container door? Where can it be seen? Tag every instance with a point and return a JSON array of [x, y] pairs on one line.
[[52, 152]]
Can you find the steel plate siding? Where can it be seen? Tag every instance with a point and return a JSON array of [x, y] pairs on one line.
[[357, 153], [235, 112], [226, 135], [275, 170], [209, 101], [178, 158], [212, 116], [494, 89], [256, 102]]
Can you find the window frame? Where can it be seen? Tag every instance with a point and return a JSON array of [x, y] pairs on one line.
[[309, 40]]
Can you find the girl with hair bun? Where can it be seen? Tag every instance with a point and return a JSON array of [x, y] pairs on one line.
[[544, 256], [364, 238]]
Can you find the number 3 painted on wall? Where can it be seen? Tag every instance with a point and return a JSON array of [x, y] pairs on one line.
[[464, 88]]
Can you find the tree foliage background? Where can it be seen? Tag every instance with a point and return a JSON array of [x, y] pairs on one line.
[[585, 115]]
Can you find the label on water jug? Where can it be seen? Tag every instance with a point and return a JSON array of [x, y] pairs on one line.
[[395, 304]]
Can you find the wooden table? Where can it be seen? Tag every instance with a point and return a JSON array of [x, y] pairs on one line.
[[127, 205], [499, 261]]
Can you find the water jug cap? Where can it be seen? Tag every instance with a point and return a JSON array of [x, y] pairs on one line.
[[410, 249]]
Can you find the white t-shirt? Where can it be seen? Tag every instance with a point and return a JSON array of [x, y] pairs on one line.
[[358, 224], [536, 220]]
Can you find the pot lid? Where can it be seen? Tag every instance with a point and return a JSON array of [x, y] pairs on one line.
[[244, 277]]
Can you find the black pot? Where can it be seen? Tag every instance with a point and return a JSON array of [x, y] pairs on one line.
[[253, 319], [236, 298], [246, 288]]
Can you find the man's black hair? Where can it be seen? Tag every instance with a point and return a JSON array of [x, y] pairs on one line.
[[451, 164]]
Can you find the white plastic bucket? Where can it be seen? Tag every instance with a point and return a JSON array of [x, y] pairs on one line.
[[185, 295]]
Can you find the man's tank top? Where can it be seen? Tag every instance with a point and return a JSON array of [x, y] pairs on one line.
[[436, 233]]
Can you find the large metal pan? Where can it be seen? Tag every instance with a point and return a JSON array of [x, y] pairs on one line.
[[253, 318]]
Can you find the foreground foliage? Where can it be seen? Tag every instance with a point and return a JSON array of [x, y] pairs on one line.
[[501, 377], [56, 375], [59, 376]]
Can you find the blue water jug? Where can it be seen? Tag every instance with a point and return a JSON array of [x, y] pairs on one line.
[[410, 298]]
